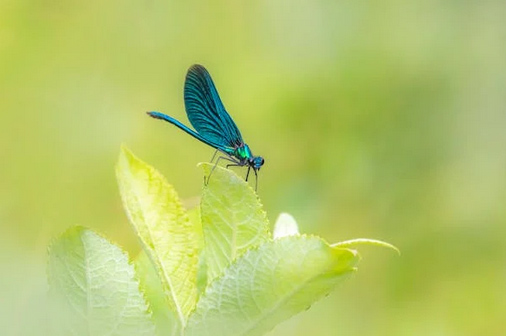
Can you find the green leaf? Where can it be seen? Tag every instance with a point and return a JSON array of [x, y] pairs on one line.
[[270, 284], [194, 215], [165, 321], [93, 288], [232, 219], [167, 235]]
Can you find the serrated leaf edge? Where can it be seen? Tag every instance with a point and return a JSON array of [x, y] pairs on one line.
[[126, 153], [255, 248], [81, 229]]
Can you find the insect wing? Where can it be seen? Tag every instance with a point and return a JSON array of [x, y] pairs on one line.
[[206, 111]]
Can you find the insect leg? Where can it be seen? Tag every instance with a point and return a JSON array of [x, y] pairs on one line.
[[247, 174], [212, 159], [214, 156], [217, 161], [256, 176]]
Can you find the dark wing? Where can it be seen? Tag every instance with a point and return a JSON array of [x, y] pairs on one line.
[[206, 111]]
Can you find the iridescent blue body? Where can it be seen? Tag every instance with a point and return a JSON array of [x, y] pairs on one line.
[[213, 125]]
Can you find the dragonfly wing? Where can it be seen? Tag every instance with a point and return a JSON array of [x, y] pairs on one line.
[[206, 111]]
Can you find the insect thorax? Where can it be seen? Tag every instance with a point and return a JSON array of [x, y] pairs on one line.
[[243, 152]]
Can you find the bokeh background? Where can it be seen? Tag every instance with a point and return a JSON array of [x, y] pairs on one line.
[[383, 120]]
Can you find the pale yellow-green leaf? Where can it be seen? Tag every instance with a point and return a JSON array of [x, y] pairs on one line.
[[194, 215], [233, 220], [285, 226], [269, 284], [151, 285], [167, 235], [93, 288]]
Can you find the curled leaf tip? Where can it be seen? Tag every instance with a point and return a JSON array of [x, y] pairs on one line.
[[285, 226], [366, 241]]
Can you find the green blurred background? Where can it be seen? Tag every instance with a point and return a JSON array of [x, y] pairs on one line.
[[381, 120]]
